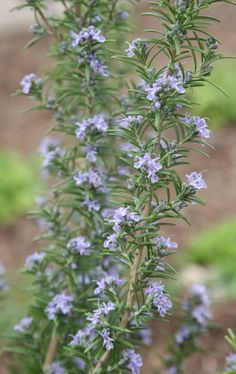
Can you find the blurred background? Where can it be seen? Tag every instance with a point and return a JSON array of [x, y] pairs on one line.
[[207, 248]]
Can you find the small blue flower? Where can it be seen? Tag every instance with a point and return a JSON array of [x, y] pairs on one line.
[[195, 180], [157, 298], [56, 368], [132, 47], [149, 165], [79, 245], [24, 324], [111, 242], [200, 124], [133, 360], [34, 260], [107, 340], [87, 35], [126, 122], [231, 362], [61, 304], [28, 82]]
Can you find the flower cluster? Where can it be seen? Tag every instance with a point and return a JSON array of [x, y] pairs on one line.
[[200, 125], [157, 298], [149, 165], [196, 181], [107, 281], [195, 323], [199, 311], [128, 121], [231, 362], [23, 325], [33, 261], [133, 360], [92, 177], [164, 85], [3, 284], [49, 149], [122, 217], [132, 47], [97, 323], [97, 123], [87, 35], [29, 83], [79, 245], [60, 305]]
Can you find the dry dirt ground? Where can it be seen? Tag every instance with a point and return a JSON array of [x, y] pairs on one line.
[[22, 132]]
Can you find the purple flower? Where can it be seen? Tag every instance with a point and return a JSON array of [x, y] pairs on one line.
[[2, 270], [34, 260], [146, 336], [79, 363], [60, 304], [107, 340], [172, 370], [49, 150], [157, 297], [201, 310], [200, 125], [91, 153], [92, 205], [132, 47], [94, 318], [123, 216], [82, 337], [107, 281], [87, 35], [98, 314], [94, 178], [126, 122], [91, 177], [98, 66], [80, 178], [231, 362], [82, 129], [150, 165], [79, 245], [195, 180], [163, 85], [56, 368], [97, 123], [163, 243], [111, 242], [106, 308], [123, 170], [133, 360], [202, 314], [122, 15], [28, 82], [24, 324], [183, 334]]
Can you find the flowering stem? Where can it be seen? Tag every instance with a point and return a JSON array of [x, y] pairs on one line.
[[52, 350], [134, 271]]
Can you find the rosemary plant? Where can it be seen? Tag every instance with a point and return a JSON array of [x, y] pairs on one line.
[[99, 277]]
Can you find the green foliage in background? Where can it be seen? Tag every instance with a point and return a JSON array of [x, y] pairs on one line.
[[216, 247], [14, 304], [212, 103], [18, 185]]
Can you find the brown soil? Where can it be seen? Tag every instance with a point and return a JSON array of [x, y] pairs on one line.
[[23, 133]]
